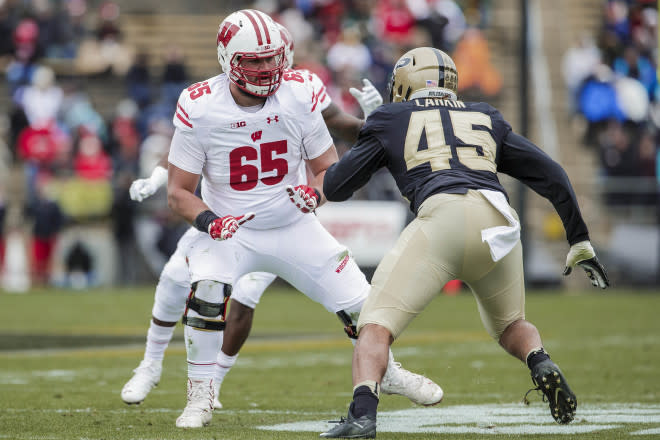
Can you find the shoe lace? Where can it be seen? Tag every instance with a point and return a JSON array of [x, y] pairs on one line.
[[537, 388], [340, 421], [198, 395]]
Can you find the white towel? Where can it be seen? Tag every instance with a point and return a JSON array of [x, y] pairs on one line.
[[500, 239]]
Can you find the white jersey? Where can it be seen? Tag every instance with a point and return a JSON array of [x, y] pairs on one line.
[[246, 159]]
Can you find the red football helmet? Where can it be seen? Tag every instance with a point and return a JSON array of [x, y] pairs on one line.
[[251, 35]]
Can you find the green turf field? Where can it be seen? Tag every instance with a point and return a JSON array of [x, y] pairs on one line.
[[65, 356]]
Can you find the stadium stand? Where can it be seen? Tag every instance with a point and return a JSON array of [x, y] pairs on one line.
[[191, 28]]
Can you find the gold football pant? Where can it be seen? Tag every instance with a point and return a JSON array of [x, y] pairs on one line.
[[444, 243]]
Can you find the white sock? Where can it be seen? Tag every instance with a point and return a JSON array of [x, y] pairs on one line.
[[201, 349], [158, 338], [222, 367]]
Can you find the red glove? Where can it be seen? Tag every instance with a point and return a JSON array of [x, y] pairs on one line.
[[304, 197], [225, 227]]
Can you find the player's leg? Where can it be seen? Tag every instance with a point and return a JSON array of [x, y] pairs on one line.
[[500, 294], [404, 283], [203, 322], [210, 264], [169, 303], [328, 274], [245, 297]]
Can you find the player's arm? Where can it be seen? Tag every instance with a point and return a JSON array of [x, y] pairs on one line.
[[186, 160], [310, 196], [181, 196], [318, 167], [182, 200], [521, 159], [347, 126], [341, 124], [354, 169], [142, 189], [163, 163]]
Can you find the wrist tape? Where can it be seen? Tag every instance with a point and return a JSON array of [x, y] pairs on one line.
[[204, 219]]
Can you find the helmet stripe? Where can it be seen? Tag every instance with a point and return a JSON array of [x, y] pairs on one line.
[[263, 23], [248, 14], [441, 67]]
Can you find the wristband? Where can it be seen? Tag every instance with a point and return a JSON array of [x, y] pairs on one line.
[[158, 176], [204, 219], [318, 196]]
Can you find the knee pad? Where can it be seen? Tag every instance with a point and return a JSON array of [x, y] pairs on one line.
[[206, 305]]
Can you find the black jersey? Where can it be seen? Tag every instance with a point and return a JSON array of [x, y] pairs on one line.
[[436, 146]]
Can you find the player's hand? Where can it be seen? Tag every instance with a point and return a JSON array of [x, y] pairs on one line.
[[368, 98], [583, 255], [142, 189], [225, 227], [304, 197]]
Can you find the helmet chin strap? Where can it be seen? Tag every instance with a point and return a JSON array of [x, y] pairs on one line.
[[434, 92]]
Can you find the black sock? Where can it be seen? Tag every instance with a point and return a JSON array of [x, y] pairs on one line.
[[535, 357], [364, 402]]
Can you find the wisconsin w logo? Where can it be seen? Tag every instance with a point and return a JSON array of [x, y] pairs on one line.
[[226, 33], [256, 136]]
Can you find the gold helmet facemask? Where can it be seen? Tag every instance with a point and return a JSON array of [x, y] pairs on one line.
[[421, 73]]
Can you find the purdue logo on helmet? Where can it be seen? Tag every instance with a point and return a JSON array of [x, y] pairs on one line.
[[423, 72]]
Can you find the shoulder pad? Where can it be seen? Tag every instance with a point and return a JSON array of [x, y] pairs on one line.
[[192, 102], [295, 88]]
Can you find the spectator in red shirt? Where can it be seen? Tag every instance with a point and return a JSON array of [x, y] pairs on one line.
[[91, 162], [395, 21]]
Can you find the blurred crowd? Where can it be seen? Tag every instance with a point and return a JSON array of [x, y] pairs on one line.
[[613, 85], [72, 165]]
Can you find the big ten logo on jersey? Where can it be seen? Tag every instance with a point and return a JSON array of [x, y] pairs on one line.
[[238, 124], [199, 89]]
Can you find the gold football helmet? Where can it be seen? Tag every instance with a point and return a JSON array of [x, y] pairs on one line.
[[423, 72]]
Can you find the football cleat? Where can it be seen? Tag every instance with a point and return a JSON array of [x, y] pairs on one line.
[[548, 379], [351, 427], [145, 377], [419, 389], [199, 410]]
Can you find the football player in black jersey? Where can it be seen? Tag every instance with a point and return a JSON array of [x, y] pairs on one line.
[[444, 155]]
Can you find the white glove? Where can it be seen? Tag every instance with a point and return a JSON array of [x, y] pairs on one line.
[[368, 98], [144, 188], [583, 255]]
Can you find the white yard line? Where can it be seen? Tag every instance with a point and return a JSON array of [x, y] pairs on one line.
[[507, 419]]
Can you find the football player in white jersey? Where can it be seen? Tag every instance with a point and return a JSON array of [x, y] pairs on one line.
[[174, 283], [248, 133]]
